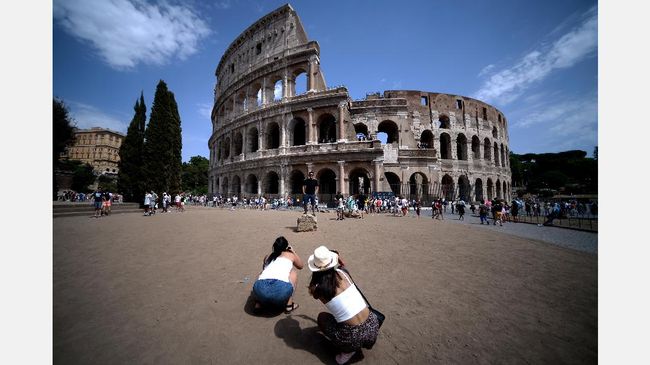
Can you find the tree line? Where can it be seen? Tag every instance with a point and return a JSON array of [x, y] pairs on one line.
[[546, 173], [150, 154]]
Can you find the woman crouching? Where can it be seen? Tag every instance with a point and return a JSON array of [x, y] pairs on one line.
[[277, 281], [350, 325]]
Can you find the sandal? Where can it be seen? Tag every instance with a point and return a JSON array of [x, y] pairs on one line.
[[291, 307]]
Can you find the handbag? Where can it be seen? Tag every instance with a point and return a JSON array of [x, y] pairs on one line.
[[380, 316]]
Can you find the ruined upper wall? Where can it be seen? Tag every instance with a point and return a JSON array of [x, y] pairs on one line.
[[266, 39]]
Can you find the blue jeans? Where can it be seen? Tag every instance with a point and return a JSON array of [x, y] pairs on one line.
[[272, 292], [484, 217]]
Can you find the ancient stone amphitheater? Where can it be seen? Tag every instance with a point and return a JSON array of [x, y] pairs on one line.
[[266, 134]]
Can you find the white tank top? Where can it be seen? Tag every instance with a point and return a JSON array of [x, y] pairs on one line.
[[278, 269], [347, 304]]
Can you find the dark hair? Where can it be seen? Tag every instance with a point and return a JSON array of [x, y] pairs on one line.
[[280, 245], [323, 284]]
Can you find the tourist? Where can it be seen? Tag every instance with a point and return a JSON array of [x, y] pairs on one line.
[[277, 282], [338, 199], [98, 198], [350, 325], [483, 212], [310, 189], [418, 205], [147, 203], [461, 210], [514, 211]]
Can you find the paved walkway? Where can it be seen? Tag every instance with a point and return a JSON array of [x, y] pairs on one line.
[[569, 238]]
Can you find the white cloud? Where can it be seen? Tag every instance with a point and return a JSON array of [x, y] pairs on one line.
[[87, 116], [486, 70], [205, 110], [128, 32], [507, 85]]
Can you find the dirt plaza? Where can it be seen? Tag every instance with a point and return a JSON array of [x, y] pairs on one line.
[[175, 288]]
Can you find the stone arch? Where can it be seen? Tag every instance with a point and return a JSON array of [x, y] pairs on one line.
[[476, 148], [503, 156], [394, 182], [235, 186], [505, 190], [498, 186], [226, 148], [218, 151], [443, 122], [490, 189], [296, 179], [445, 146], [464, 188], [478, 190], [256, 96], [278, 90], [297, 132], [495, 133], [252, 185], [426, 139], [359, 181], [447, 187], [496, 154], [272, 135], [225, 188], [238, 144], [327, 185], [360, 129], [326, 127], [252, 140], [390, 128], [271, 183], [418, 186], [298, 81], [461, 147], [487, 148]]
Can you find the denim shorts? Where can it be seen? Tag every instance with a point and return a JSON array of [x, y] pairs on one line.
[[309, 198], [272, 292]]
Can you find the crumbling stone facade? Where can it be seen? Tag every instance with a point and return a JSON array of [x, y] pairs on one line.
[[266, 137]]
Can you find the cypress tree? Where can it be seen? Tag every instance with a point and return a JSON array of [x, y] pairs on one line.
[[163, 143], [131, 179]]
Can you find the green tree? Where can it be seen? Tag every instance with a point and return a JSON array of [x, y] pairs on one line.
[[82, 178], [131, 179], [63, 135], [195, 175], [163, 143]]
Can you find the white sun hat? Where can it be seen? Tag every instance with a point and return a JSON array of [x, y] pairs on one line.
[[323, 259]]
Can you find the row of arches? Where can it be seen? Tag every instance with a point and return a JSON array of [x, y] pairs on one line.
[[250, 140], [417, 186], [269, 89], [491, 151]]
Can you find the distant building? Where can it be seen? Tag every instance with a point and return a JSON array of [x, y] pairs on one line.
[[98, 147]]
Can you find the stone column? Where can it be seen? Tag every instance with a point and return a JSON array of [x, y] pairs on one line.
[[342, 188], [310, 126], [377, 165], [263, 93], [244, 137], [310, 77], [283, 131], [283, 171], [285, 86], [259, 187], [260, 136], [341, 123]]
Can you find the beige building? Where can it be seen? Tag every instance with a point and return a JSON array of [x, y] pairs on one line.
[[98, 147], [266, 137]]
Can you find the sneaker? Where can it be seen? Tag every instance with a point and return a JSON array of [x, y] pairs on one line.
[[344, 357]]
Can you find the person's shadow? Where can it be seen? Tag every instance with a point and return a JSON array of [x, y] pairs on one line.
[[267, 312], [309, 339]]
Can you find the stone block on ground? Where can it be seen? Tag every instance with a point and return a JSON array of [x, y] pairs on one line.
[[307, 222]]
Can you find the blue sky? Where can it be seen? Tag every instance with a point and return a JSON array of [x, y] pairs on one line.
[[537, 61]]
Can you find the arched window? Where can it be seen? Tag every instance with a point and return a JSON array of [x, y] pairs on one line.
[[495, 132], [445, 146], [426, 139], [390, 128], [238, 144], [496, 154], [361, 131], [252, 141], [476, 148], [273, 137], [487, 147], [297, 127], [444, 122], [461, 147], [326, 128]]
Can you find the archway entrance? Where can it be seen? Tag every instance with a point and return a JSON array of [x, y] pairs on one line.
[[359, 182], [464, 189], [447, 186], [251, 185], [271, 184], [478, 190], [393, 182], [295, 182], [419, 187], [327, 182]]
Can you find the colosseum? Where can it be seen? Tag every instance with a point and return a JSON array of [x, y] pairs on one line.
[[267, 134]]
